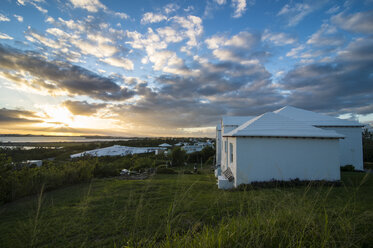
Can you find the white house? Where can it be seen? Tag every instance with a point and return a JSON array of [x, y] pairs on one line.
[[351, 147], [269, 153], [227, 124], [272, 146]]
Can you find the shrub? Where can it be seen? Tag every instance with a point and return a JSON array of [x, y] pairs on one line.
[[16, 183], [166, 171], [178, 156], [348, 167], [142, 163]]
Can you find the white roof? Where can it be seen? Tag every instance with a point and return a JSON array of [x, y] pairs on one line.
[[165, 145], [274, 125], [235, 120], [313, 118], [115, 150]]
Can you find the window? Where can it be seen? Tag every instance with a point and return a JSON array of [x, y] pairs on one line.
[[231, 151], [226, 146]]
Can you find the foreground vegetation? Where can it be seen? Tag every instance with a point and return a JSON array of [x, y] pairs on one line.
[[189, 211], [19, 180]]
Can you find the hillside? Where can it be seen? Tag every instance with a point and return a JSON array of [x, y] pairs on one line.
[[189, 211]]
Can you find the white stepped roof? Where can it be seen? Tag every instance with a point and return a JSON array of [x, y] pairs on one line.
[[235, 120], [313, 118], [274, 125]]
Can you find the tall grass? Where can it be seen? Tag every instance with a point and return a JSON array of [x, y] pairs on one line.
[[272, 221], [189, 211]]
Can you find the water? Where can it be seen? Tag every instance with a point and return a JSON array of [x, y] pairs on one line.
[[37, 139], [29, 147]]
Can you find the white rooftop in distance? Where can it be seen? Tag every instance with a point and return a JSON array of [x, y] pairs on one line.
[[313, 118], [274, 125], [235, 120], [165, 145]]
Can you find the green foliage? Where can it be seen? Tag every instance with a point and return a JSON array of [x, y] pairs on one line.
[[348, 167], [367, 149], [178, 156], [166, 171], [143, 163], [16, 183], [204, 155], [189, 211]]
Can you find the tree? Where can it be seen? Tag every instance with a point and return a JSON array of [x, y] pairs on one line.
[[207, 152], [178, 156]]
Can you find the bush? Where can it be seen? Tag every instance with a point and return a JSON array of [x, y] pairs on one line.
[[142, 163], [19, 182], [166, 171], [178, 156], [348, 167], [188, 172]]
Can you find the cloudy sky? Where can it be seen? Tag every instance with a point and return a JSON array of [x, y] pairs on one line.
[[172, 68]]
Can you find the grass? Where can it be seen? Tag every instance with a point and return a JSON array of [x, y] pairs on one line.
[[189, 211]]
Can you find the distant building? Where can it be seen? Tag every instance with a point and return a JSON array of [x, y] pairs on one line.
[[37, 163], [165, 145], [196, 147], [117, 150]]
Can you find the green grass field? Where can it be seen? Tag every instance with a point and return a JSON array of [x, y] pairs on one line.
[[189, 211]]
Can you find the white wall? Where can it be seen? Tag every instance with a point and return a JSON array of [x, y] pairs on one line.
[[232, 165], [351, 147], [264, 159], [224, 130], [224, 157], [218, 146]]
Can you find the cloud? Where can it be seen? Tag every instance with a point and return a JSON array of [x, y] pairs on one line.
[[193, 28], [83, 108], [295, 13], [121, 15], [343, 82], [169, 35], [150, 17], [5, 37], [279, 39], [55, 76], [19, 18], [171, 7], [361, 22], [243, 39], [34, 3], [89, 5], [327, 35], [3, 18], [239, 6], [32, 36], [220, 2], [155, 43], [119, 62], [12, 116], [243, 48]]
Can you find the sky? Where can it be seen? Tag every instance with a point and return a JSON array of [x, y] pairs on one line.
[[173, 68]]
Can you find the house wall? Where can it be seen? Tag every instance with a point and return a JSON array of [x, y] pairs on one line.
[[351, 147], [224, 161], [232, 164], [218, 146], [264, 159], [224, 164]]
